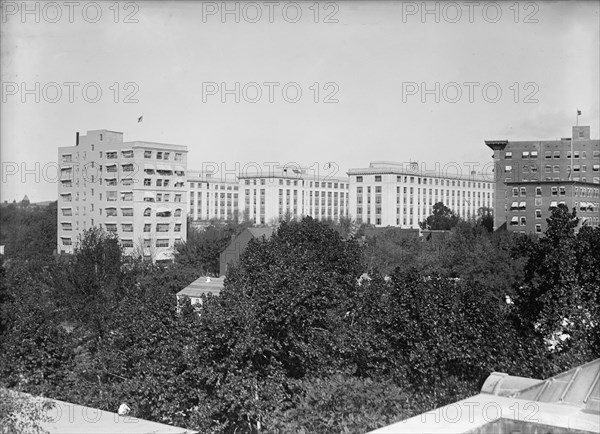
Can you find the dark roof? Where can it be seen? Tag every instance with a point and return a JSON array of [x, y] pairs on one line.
[[203, 286], [260, 232]]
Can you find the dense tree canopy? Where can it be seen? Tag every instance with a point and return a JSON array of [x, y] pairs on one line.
[[315, 331], [441, 219]]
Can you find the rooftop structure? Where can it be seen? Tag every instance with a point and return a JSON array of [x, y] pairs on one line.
[[566, 403]]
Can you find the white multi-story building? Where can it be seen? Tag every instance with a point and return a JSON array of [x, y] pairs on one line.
[[266, 198], [134, 189], [396, 194], [211, 197]]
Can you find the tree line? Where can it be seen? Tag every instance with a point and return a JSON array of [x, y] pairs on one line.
[[315, 330]]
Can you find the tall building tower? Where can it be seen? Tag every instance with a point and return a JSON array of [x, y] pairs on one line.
[[134, 189], [533, 177], [403, 194]]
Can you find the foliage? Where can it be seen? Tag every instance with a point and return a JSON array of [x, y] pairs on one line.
[[20, 413], [28, 231], [313, 332], [441, 219]]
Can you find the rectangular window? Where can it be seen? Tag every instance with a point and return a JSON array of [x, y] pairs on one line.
[[147, 154], [162, 242], [534, 154], [127, 212], [178, 227], [562, 191], [127, 154], [548, 154], [147, 227], [525, 154], [127, 227], [523, 191], [377, 178], [177, 156], [538, 191], [111, 155], [538, 213], [162, 227], [538, 228], [515, 192], [556, 154], [359, 179], [523, 221], [111, 212], [508, 155]]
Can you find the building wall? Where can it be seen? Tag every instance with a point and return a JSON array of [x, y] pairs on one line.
[[542, 161], [387, 194], [212, 198], [530, 204], [266, 199], [113, 184]]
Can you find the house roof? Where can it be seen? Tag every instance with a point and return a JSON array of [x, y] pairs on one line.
[[259, 232], [203, 285]]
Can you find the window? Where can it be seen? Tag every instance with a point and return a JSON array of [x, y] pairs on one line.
[[378, 189], [162, 242], [534, 154], [147, 182], [525, 154], [576, 154], [359, 179], [538, 213], [66, 226], [178, 212], [111, 196], [523, 191], [162, 227], [576, 168], [159, 155], [508, 168], [548, 168], [548, 154], [147, 227], [127, 196], [66, 241], [563, 191], [538, 201], [556, 154], [554, 191], [147, 212], [515, 192], [377, 178], [538, 191], [147, 154], [111, 155], [177, 227], [67, 212], [127, 243], [523, 221], [110, 212], [166, 156], [127, 227], [111, 169], [127, 212], [508, 155], [538, 228], [177, 156], [127, 167], [127, 154], [111, 227]]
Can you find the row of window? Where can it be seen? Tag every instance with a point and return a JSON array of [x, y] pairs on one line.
[[432, 181], [294, 182], [508, 155], [216, 186]]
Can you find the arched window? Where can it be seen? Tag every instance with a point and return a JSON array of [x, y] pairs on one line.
[[178, 212], [147, 212]]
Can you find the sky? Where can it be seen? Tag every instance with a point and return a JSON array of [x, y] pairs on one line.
[[317, 82]]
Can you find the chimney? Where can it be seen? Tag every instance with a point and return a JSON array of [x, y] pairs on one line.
[[77, 138]]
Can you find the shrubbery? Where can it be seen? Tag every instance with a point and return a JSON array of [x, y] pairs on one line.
[[308, 334]]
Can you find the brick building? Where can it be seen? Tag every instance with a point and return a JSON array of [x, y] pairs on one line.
[[533, 177]]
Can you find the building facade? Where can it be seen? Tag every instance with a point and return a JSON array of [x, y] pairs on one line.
[[266, 198], [211, 197], [402, 195], [533, 177], [134, 189]]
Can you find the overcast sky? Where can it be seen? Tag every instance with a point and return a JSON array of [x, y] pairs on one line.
[[372, 57]]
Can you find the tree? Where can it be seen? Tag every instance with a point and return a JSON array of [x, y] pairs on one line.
[[485, 218], [441, 219]]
